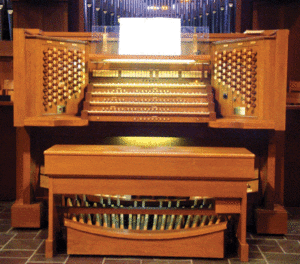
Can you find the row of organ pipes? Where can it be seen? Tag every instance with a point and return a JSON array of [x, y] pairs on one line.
[[6, 20], [217, 15]]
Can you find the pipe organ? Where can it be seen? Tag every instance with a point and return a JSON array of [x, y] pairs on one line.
[[217, 15], [79, 102]]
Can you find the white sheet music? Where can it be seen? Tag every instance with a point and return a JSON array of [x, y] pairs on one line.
[[150, 36]]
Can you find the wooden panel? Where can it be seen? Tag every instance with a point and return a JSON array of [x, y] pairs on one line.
[[280, 76], [242, 124], [206, 246], [55, 121], [19, 77], [150, 187], [26, 215], [243, 16], [47, 15], [75, 15], [223, 206], [281, 15], [6, 49], [6, 63], [180, 162], [115, 150], [271, 221]]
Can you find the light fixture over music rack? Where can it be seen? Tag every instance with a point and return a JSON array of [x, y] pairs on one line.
[[150, 61]]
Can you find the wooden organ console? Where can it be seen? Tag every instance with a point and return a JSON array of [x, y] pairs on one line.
[[82, 117]]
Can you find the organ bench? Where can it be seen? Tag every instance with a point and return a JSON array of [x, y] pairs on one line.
[[221, 173]]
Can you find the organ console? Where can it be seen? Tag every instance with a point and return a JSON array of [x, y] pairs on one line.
[[84, 113]]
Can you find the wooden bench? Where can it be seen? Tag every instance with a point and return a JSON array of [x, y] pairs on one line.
[[221, 173]]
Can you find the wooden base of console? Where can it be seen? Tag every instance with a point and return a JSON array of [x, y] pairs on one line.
[[26, 215], [271, 221], [91, 242]]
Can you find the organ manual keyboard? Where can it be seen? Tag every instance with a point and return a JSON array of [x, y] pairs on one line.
[[149, 150], [160, 94]]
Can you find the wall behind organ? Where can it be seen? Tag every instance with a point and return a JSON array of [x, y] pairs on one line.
[[278, 15], [285, 14], [45, 15]]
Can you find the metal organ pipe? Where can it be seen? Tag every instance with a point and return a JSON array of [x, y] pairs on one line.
[[104, 12], [200, 12], [97, 12], [89, 14], [231, 15], [222, 15], [214, 17], [92, 13], [86, 21]]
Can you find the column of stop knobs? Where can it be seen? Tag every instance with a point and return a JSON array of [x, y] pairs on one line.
[[63, 74], [236, 69]]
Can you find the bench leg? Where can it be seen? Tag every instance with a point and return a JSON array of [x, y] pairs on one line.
[[243, 249], [50, 242], [49, 245]]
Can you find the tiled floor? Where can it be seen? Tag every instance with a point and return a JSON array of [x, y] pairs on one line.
[[25, 246]]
